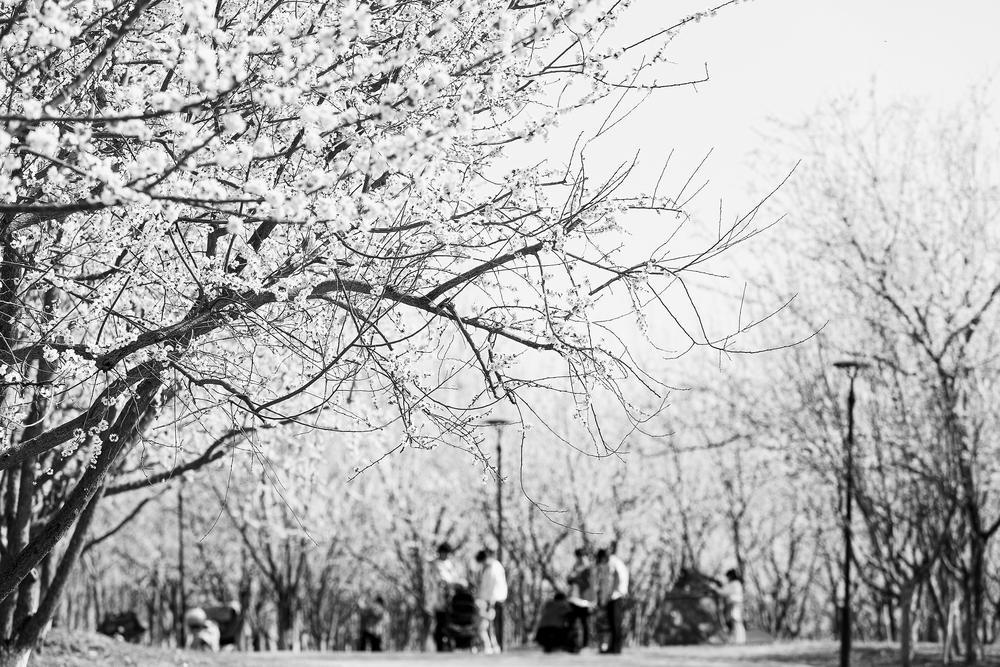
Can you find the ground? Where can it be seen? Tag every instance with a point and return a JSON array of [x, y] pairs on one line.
[[79, 650]]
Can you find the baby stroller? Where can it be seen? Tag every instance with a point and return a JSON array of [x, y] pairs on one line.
[[463, 619], [562, 625]]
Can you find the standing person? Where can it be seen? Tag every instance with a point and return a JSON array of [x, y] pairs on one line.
[[581, 591], [446, 580], [732, 595], [485, 613], [374, 622], [581, 579], [612, 587], [491, 594]]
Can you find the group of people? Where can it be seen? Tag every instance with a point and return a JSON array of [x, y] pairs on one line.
[[600, 586], [482, 590], [595, 586], [487, 586]]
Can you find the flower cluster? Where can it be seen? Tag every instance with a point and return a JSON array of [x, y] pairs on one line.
[[275, 208]]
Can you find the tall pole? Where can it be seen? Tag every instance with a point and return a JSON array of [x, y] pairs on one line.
[[498, 424], [499, 492], [498, 623], [182, 602], [852, 368], [845, 622]]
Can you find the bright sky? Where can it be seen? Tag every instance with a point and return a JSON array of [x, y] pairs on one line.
[[770, 60], [779, 60], [782, 59]]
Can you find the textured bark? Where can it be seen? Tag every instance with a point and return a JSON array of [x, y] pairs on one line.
[[286, 620], [906, 626], [14, 657], [34, 627], [134, 417], [12, 481]]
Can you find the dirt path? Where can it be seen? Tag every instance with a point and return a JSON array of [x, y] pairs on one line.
[[81, 650], [800, 654]]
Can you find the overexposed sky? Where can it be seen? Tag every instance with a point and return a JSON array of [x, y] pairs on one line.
[[771, 62], [782, 59]]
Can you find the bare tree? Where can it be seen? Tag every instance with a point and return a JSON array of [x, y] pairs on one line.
[[891, 257]]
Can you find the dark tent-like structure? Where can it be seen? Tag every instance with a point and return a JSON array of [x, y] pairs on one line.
[[693, 611]]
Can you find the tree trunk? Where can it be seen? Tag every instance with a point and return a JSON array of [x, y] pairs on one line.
[[12, 479], [906, 626], [14, 656], [942, 603], [27, 592], [978, 588], [34, 627], [286, 621], [134, 419], [973, 600], [426, 624], [953, 646]]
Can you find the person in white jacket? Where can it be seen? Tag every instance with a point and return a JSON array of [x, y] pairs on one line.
[[732, 594], [612, 588], [491, 593]]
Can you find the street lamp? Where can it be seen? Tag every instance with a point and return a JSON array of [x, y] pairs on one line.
[[182, 603], [852, 368], [499, 424]]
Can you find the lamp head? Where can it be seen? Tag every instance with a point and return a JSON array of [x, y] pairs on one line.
[[850, 364]]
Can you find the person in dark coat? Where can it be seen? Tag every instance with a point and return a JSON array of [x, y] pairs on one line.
[[554, 623], [582, 591], [374, 621]]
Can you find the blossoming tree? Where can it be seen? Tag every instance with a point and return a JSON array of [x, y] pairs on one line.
[[240, 213]]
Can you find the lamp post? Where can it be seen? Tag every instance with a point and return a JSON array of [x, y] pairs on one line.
[[498, 424], [182, 602], [851, 368]]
